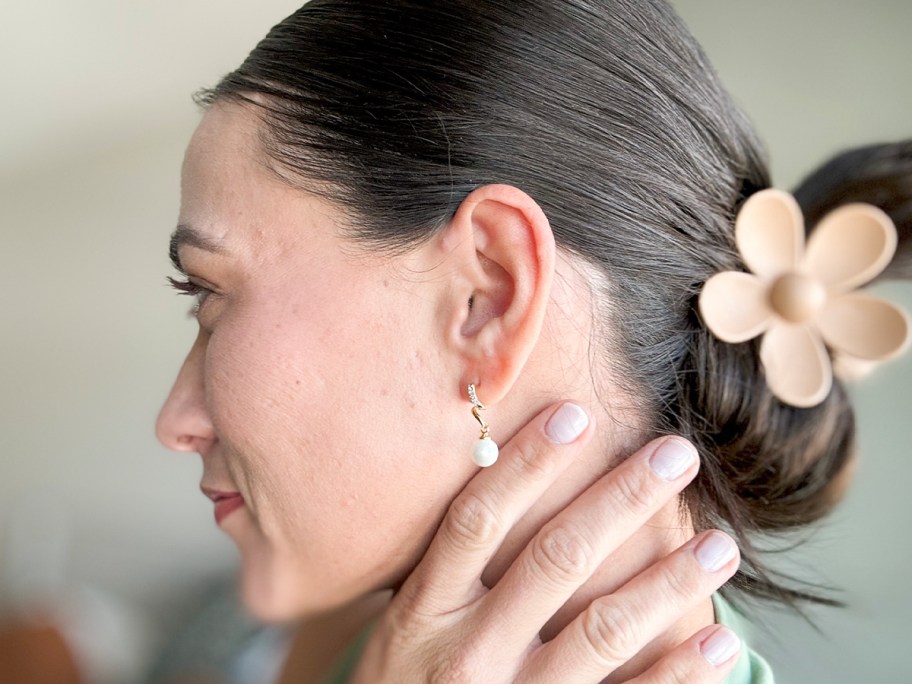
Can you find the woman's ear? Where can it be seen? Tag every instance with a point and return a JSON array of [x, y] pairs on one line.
[[502, 256]]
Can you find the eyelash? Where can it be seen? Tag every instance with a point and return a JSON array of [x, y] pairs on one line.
[[191, 289]]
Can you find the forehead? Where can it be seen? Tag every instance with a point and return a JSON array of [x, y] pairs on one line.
[[224, 143], [231, 196], [222, 178], [225, 184]]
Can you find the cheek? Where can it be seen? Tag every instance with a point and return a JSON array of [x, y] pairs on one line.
[[331, 418], [325, 420]]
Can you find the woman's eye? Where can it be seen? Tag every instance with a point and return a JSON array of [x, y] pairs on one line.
[[191, 288]]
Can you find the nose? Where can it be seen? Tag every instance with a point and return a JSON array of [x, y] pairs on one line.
[[183, 423]]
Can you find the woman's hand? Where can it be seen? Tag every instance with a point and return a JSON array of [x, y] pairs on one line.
[[445, 626]]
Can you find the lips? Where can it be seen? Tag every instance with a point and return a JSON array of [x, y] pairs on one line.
[[225, 502]]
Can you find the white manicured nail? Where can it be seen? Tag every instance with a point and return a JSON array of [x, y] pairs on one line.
[[720, 647], [715, 551], [567, 423], [672, 459]]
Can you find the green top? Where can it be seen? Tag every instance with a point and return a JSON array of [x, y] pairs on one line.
[[750, 669]]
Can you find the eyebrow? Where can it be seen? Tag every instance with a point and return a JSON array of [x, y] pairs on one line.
[[187, 235]]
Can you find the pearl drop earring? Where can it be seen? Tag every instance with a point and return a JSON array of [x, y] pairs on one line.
[[485, 452]]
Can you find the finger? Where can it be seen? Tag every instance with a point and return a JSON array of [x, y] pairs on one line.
[[477, 521], [615, 628], [706, 658], [568, 549]]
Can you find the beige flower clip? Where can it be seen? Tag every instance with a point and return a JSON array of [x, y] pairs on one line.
[[800, 298]]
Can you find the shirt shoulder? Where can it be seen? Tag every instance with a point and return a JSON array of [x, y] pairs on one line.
[[751, 668]]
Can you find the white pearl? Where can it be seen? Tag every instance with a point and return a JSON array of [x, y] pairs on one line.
[[485, 452]]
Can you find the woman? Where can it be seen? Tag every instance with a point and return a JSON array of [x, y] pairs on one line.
[[390, 203]]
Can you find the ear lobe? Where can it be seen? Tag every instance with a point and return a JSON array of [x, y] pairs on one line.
[[504, 255]]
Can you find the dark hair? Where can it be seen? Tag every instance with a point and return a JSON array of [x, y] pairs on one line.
[[877, 174], [609, 115]]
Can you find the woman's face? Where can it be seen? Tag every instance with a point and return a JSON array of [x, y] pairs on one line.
[[313, 389]]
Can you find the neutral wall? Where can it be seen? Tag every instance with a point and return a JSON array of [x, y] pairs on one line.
[[96, 113]]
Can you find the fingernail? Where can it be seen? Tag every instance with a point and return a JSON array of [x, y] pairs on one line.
[[672, 458], [567, 423], [720, 647], [715, 551]]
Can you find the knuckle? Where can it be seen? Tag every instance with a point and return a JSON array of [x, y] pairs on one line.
[[413, 606], [412, 615], [632, 491], [678, 582], [610, 632], [531, 460], [462, 662], [561, 555], [471, 522], [452, 669], [678, 672]]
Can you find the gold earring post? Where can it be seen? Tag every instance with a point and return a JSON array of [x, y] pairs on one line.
[[476, 407]]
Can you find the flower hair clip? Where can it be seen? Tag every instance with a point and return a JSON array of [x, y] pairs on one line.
[[802, 299]]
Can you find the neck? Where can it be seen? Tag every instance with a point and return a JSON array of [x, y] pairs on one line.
[[663, 533], [320, 641]]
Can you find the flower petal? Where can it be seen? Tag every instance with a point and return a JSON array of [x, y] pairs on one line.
[[865, 327], [734, 306], [797, 365], [850, 368], [850, 246], [769, 232]]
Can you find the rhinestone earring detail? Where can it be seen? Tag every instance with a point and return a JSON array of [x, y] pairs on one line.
[[485, 452]]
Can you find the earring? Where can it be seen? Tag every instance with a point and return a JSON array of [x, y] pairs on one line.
[[485, 452]]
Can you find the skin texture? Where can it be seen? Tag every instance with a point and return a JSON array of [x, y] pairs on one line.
[[343, 421], [269, 394]]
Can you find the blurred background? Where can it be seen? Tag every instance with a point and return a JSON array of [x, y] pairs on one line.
[[106, 532]]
